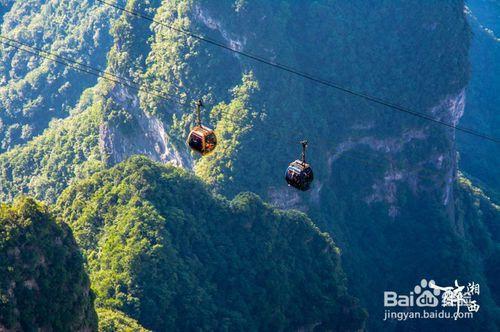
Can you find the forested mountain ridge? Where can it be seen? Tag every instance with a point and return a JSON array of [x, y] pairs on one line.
[[381, 176], [167, 252]]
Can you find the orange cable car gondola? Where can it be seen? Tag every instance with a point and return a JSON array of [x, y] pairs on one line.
[[299, 173], [201, 139]]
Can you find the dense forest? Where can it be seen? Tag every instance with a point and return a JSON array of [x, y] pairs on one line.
[[179, 246], [164, 250]]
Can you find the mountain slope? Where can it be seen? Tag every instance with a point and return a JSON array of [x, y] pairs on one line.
[[69, 149], [43, 285], [34, 90], [164, 250]]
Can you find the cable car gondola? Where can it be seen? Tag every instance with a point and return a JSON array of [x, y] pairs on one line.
[[201, 139], [299, 174]]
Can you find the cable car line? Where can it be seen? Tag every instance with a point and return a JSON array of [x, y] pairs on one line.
[[198, 118], [138, 88], [92, 71], [209, 141], [393, 106], [201, 138]]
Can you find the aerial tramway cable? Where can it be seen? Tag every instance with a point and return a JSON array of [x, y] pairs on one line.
[[99, 73], [390, 105]]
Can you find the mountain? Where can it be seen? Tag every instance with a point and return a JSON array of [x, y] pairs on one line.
[[164, 250], [387, 186], [43, 285]]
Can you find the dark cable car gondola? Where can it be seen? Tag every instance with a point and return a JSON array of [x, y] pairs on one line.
[[201, 139], [299, 174]]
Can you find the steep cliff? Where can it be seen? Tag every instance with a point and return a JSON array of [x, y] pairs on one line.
[[482, 110]]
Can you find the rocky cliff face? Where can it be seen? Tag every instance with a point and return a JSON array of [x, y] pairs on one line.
[[381, 175], [147, 136]]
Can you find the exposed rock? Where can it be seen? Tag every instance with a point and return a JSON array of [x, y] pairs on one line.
[[214, 24], [148, 136]]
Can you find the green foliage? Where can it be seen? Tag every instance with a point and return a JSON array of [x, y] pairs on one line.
[[68, 150], [235, 121], [43, 284], [115, 321], [163, 250]]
